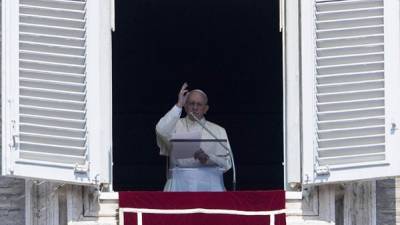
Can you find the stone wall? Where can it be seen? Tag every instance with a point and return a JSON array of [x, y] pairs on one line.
[[388, 201], [12, 201], [12, 205]]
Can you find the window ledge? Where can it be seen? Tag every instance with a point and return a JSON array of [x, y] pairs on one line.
[[294, 195]]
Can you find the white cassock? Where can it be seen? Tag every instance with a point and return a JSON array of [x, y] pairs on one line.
[[209, 178]]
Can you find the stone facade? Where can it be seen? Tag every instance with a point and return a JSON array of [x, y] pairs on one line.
[[388, 202], [12, 201], [55, 204], [45, 203]]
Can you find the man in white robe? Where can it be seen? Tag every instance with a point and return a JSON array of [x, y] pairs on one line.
[[208, 163]]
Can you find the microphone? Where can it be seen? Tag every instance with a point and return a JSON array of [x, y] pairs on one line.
[[223, 145]]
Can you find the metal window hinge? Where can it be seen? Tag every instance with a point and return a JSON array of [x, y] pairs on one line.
[[393, 128], [322, 170], [15, 141], [81, 168], [97, 179]]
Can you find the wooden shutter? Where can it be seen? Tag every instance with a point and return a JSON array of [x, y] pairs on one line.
[[46, 64], [350, 87]]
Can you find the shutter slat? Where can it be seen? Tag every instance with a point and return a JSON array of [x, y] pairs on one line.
[[62, 4], [54, 12], [369, 157], [59, 141], [355, 150], [360, 49], [51, 149], [52, 94], [51, 21], [350, 13], [351, 123], [350, 95], [53, 121], [51, 39], [344, 59], [347, 105], [52, 30], [349, 23], [349, 32], [49, 130], [351, 86], [350, 68], [352, 141], [52, 103], [58, 85], [52, 112], [52, 76], [51, 48], [339, 34], [350, 132], [51, 57], [54, 139], [354, 83], [329, 69], [350, 77], [55, 100], [346, 5], [57, 158], [56, 67], [350, 41], [349, 114]]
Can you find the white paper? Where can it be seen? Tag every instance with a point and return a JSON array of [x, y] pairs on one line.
[[182, 145]]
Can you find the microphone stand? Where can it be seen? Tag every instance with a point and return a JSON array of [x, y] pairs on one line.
[[224, 146]]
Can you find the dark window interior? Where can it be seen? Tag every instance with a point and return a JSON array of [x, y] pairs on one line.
[[231, 49]]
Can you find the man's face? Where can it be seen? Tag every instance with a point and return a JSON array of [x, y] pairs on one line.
[[196, 104]]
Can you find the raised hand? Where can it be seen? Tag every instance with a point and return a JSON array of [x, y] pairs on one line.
[[182, 96]]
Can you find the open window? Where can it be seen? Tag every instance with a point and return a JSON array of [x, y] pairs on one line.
[[350, 89], [56, 110], [229, 49]]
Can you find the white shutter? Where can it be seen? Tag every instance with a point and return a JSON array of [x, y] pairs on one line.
[[46, 88], [350, 84]]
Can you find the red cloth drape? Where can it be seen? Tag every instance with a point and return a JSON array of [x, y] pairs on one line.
[[241, 200]]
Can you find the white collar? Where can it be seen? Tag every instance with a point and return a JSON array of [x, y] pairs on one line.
[[190, 122]]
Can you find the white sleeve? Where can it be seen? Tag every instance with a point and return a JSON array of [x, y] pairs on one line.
[[165, 128], [221, 156]]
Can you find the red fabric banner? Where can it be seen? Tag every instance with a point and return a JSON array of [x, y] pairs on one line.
[[240, 200]]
